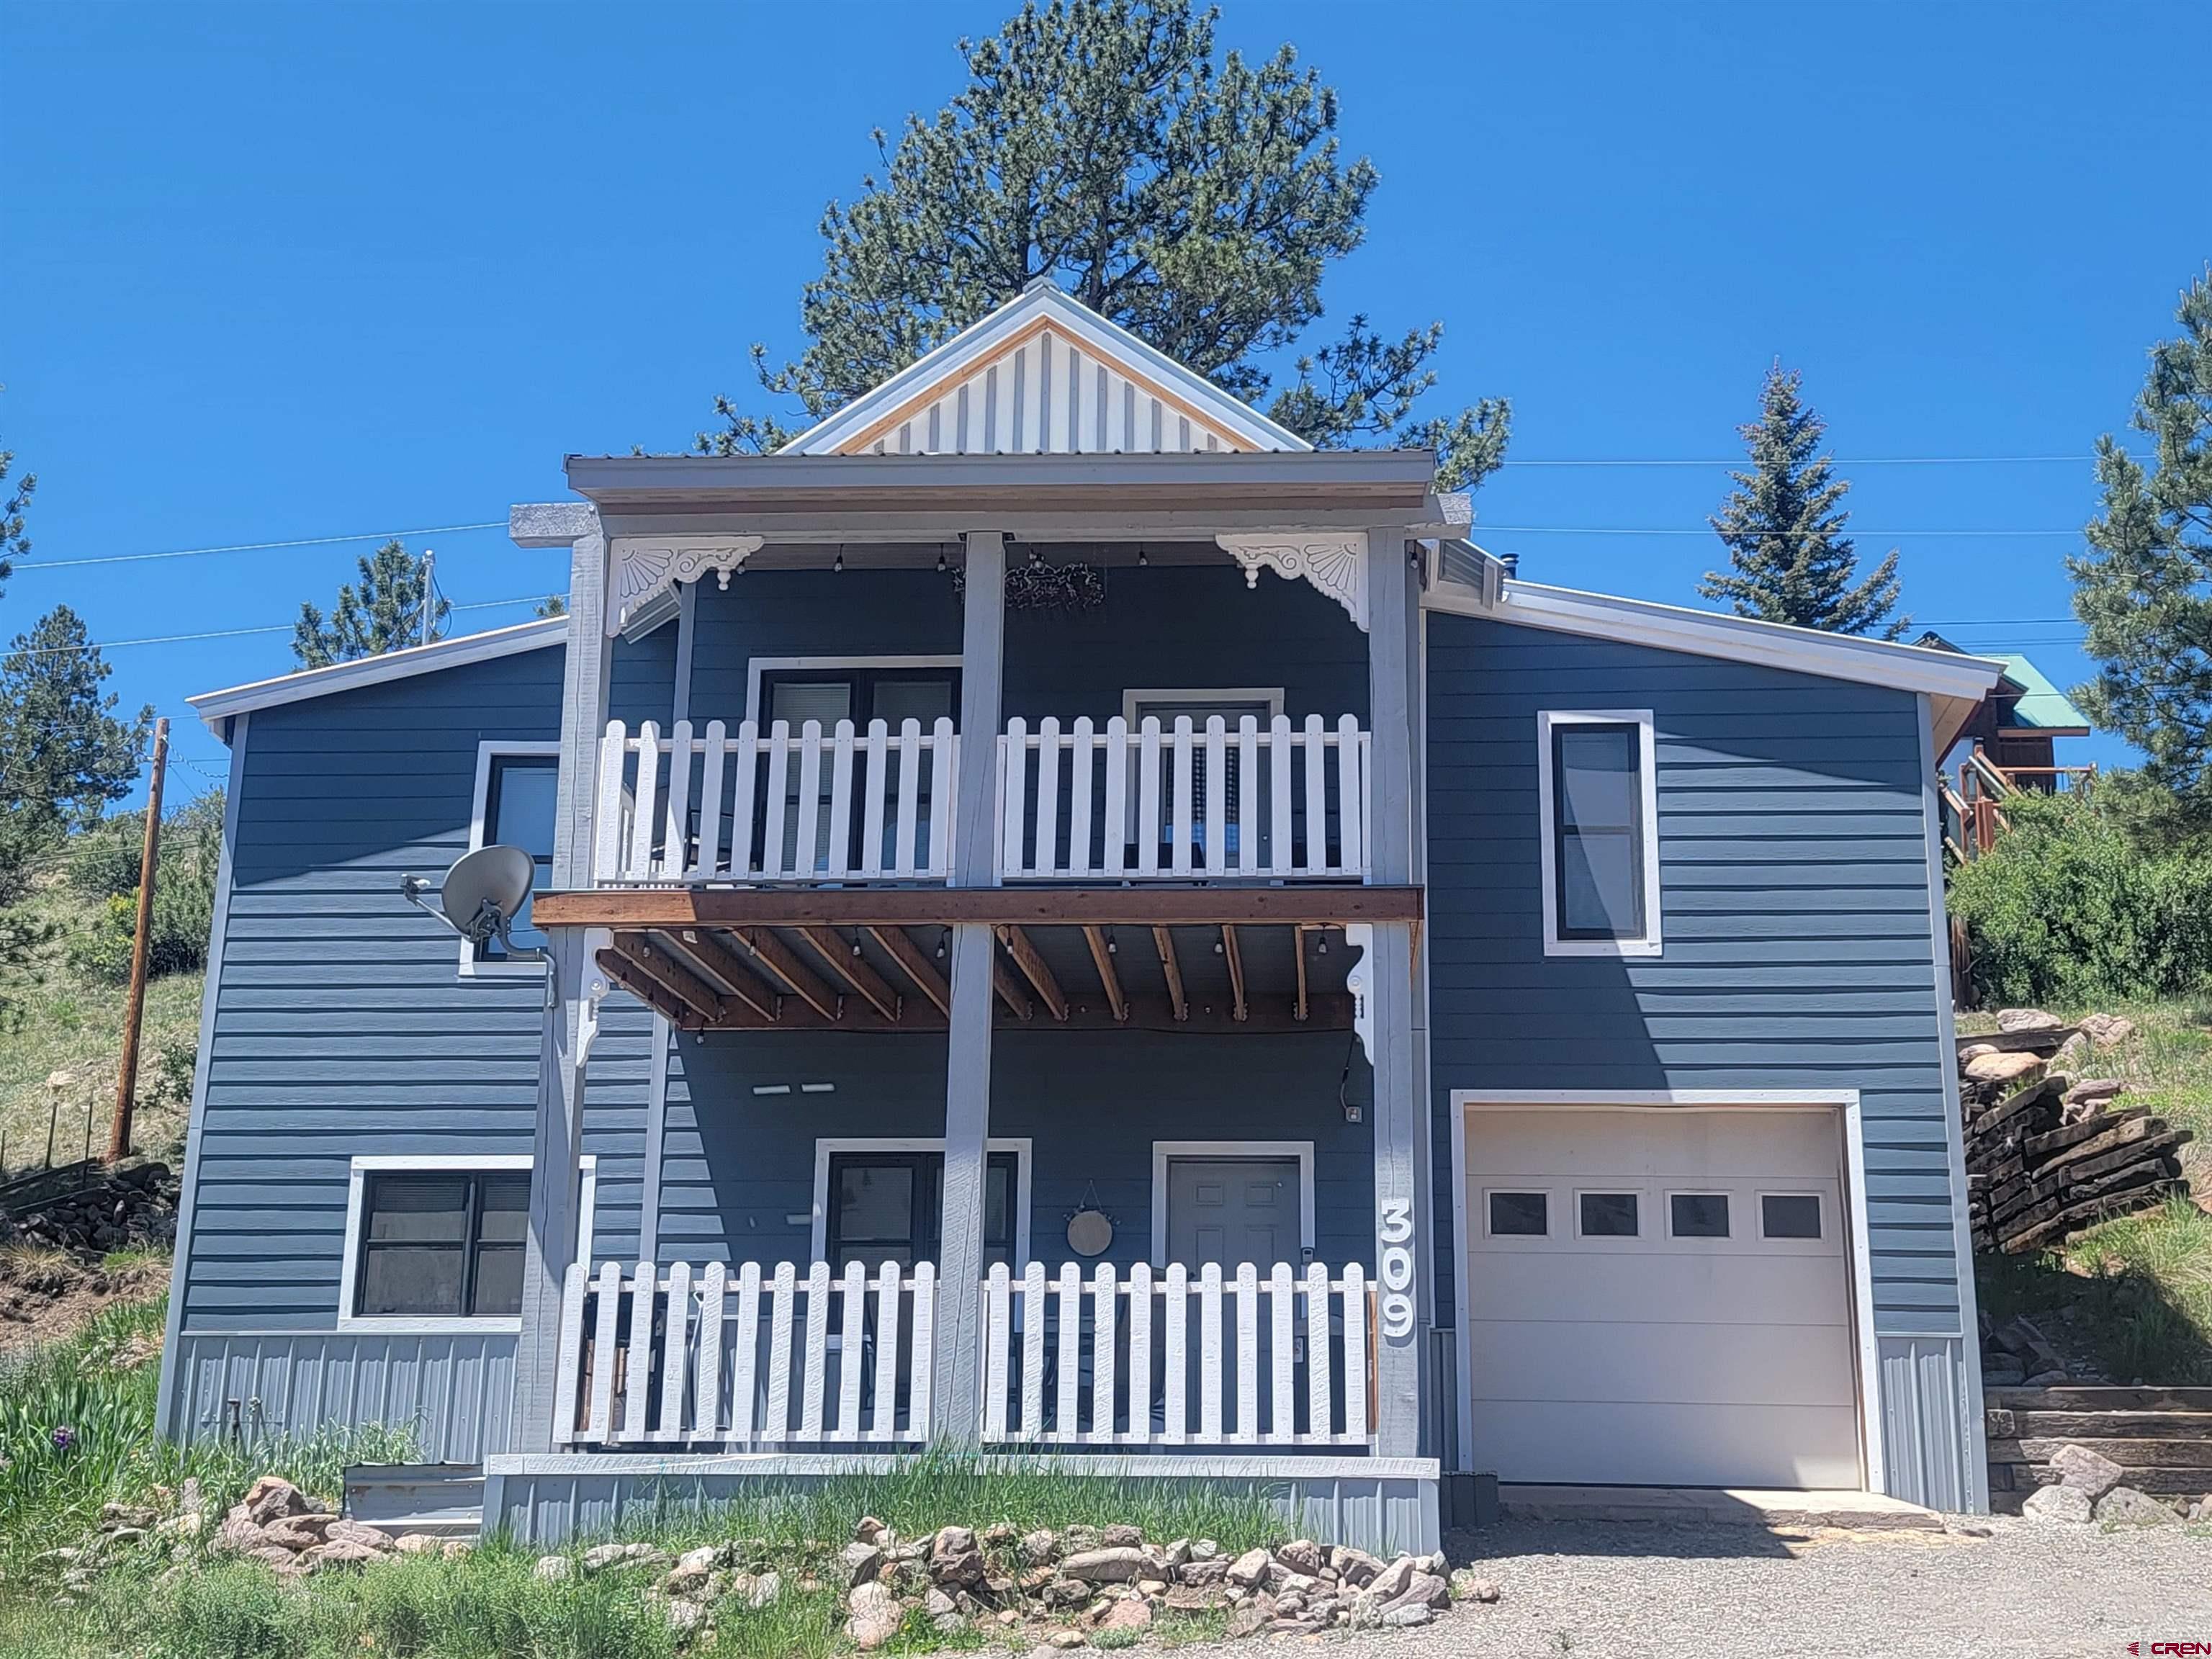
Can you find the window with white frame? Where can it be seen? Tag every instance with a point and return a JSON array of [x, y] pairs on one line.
[[434, 1242], [1598, 802], [1233, 703], [517, 784]]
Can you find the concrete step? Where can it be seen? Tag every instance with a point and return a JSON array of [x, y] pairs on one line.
[[1715, 1506]]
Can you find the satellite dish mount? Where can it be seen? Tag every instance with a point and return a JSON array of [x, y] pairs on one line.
[[480, 898]]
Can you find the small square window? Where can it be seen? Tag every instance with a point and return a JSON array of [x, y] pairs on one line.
[[1519, 1215], [442, 1245], [1700, 1215], [1609, 1215], [1789, 1215]]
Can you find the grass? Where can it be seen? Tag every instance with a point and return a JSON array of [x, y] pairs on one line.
[[2133, 1294], [57, 1020]]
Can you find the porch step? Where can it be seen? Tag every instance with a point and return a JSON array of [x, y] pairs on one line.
[[442, 1500], [1716, 1506]]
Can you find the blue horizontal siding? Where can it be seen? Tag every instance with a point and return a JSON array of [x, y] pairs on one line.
[[1794, 896]]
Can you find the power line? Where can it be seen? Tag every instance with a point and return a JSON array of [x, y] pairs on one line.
[[1740, 460], [257, 547], [1479, 527], [233, 633]]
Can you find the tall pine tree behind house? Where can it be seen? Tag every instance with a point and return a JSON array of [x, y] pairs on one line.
[[1789, 559], [383, 613]]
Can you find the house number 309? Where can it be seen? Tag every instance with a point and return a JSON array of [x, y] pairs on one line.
[[1397, 1237]]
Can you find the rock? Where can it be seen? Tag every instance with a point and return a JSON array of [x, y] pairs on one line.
[[1355, 1567], [418, 1543], [112, 1516], [1063, 1639], [862, 1563], [1120, 1565], [339, 1552], [2089, 1472], [1248, 1569], [1204, 1549], [188, 1525], [1077, 1539], [1151, 1587], [2026, 1019], [190, 1500], [1121, 1537], [873, 1615], [2000, 1068], [684, 1617], [553, 1570], [1295, 1583], [1131, 1612], [2095, 1091], [1976, 1050], [765, 1590], [601, 1557], [1960, 1526], [1208, 1574], [2056, 1376], [1302, 1555], [1390, 1583], [2003, 1377], [1425, 1588], [1192, 1598], [2202, 1509], [2107, 1030], [1040, 1548], [297, 1532], [870, 1531], [374, 1539], [2071, 1053], [1248, 1619], [1484, 1591], [1064, 1592], [954, 1558], [238, 1534], [1435, 1563], [456, 1549], [937, 1603], [272, 1496], [2063, 1505], [2123, 1506], [1400, 1614]]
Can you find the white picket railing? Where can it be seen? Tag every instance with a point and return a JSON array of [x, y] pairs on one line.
[[1176, 1359], [843, 805], [1177, 803], [742, 1358]]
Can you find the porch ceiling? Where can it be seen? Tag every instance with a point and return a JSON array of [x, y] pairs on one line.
[[880, 977]]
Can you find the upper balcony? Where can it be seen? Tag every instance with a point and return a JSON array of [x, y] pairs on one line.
[[1174, 800]]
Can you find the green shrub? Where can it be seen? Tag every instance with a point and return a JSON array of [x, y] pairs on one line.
[[2071, 907], [104, 864]]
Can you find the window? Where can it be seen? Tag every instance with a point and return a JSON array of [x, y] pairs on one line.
[[517, 784], [1789, 1215], [436, 1242], [1598, 798], [1609, 1215], [1261, 704], [860, 694], [889, 1206], [1698, 1215], [1519, 1215]]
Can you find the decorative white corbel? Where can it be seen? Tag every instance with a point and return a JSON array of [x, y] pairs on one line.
[[1359, 938], [647, 565], [1334, 561], [596, 987]]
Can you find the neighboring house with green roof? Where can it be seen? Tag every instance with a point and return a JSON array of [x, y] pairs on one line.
[[2015, 728]]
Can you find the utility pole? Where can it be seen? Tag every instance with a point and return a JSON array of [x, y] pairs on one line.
[[134, 1008], [429, 604]]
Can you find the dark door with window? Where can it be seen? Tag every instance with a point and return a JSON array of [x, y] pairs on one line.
[[889, 1206], [826, 696]]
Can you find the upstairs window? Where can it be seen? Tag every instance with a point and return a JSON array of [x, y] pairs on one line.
[[517, 784], [1598, 801]]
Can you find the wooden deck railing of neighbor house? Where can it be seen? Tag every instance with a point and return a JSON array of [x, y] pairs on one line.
[[1177, 803], [1112, 1362], [753, 1358], [840, 805]]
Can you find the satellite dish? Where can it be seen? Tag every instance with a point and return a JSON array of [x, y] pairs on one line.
[[482, 894]]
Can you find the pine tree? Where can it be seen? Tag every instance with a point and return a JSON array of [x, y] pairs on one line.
[[384, 613], [13, 543], [66, 755], [1196, 201], [2145, 586], [553, 604], [1789, 559]]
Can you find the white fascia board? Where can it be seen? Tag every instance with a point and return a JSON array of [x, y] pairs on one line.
[[213, 707], [1103, 337], [1738, 639]]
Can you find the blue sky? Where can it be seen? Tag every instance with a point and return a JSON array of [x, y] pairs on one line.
[[284, 272]]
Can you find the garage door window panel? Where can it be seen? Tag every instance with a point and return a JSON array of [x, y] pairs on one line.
[[1518, 1213], [1791, 1218], [1609, 1215], [1705, 1217]]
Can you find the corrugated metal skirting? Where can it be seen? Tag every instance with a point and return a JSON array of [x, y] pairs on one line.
[[1931, 1450], [455, 1392]]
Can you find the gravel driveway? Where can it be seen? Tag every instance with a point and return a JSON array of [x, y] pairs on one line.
[[1654, 1591]]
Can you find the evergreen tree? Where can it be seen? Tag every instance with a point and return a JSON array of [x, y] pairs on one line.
[[1782, 525], [553, 604], [66, 755], [2144, 585], [1196, 201], [384, 613], [13, 543]]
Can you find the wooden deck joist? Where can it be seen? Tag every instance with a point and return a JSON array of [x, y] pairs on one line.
[[1163, 942], [1007, 907], [1023, 950], [1110, 979], [845, 962]]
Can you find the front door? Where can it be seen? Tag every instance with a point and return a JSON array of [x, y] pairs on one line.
[[1229, 1211]]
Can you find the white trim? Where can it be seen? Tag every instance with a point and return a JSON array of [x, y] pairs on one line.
[[1842, 1102], [827, 1147], [1257, 1466], [757, 667], [949, 362], [1166, 1152], [488, 751], [365, 1163], [1133, 695], [215, 707], [1739, 639], [1649, 944]]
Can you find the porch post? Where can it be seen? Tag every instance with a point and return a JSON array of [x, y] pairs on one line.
[[554, 1197], [967, 1060], [1400, 1027]]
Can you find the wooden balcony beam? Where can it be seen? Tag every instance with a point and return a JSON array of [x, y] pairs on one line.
[[714, 961], [669, 987], [916, 965], [846, 961], [804, 982], [1239, 1008], [1301, 1007], [1009, 993], [1132, 905], [1023, 950], [1164, 942], [1109, 978]]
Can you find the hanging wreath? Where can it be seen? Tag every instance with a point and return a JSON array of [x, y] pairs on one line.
[[1072, 586]]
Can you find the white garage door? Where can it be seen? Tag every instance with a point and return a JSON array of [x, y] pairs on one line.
[[1659, 1297]]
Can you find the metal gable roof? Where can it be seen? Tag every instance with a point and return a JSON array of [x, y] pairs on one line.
[[2042, 706], [1044, 375]]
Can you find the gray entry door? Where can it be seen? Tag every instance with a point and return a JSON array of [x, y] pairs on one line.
[[1233, 1209]]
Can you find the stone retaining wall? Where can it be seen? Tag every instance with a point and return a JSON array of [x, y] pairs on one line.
[[2161, 1437]]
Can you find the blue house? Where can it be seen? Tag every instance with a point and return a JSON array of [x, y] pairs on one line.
[[1071, 924]]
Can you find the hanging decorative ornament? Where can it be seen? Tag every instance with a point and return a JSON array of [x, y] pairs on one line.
[[1040, 587], [1090, 1229]]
